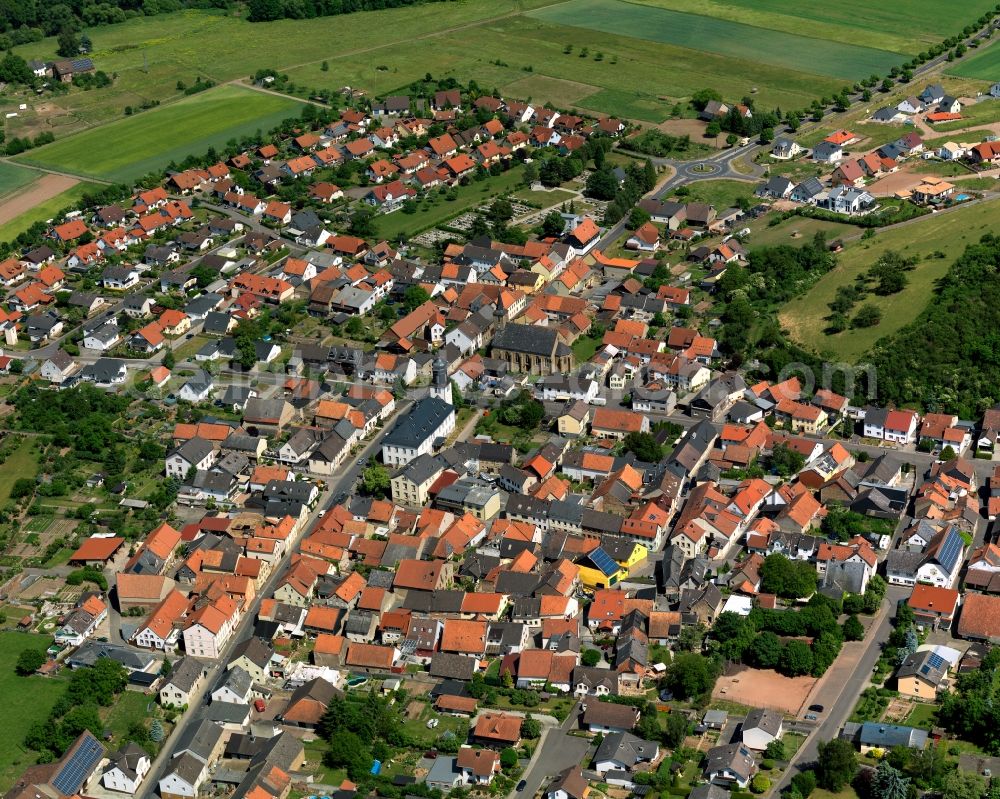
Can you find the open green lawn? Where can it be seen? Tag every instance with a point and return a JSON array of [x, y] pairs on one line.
[[151, 139], [584, 348], [22, 462], [724, 37], [627, 104], [25, 700], [48, 209], [720, 193], [921, 716], [14, 177], [944, 169], [897, 26], [795, 170], [984, 65], [130, 708], [439, 212], [805, 316], [975, 184], [785, 232]]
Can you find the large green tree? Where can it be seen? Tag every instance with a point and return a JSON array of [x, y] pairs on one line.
[[690, 675], [836, 764], [888, 783], [787, 578]]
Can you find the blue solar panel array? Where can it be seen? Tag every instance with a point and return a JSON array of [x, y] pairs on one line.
[[951, 549], [934, 662], [80, 765], [602, 560]]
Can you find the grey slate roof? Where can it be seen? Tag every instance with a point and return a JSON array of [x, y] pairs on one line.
[[625, 748], [424, 418], [185, 673], [530, 339]]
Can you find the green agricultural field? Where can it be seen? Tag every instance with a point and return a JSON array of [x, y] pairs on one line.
[[982, 65], [501, 53], [723, 37], [151, 139], [805, 317], [45, 210], [14, 177], [903, 27], [150, 54], [25, 700]]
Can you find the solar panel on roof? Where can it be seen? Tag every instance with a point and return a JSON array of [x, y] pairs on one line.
[[79, 766], [602, 560], [935, 661], [950, 549]]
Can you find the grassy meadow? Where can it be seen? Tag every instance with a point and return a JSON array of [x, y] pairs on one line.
[[26, 701], [151, 139], [652, 52], [805, 316]]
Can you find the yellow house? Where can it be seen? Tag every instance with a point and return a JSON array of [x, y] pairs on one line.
[[627, 554], [174, 322], [544, 268], [597, 569], [574, 420], [530, 281], [801, 418], [921, 675]]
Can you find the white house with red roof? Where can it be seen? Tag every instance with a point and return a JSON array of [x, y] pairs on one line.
[[900, 427]]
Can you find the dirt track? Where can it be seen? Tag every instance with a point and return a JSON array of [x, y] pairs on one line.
[[43, 189]]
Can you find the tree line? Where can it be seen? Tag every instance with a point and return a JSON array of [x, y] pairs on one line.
[[23, 21], [268, 10]]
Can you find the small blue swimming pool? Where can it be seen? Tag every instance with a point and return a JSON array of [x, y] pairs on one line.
[[961, 198]]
